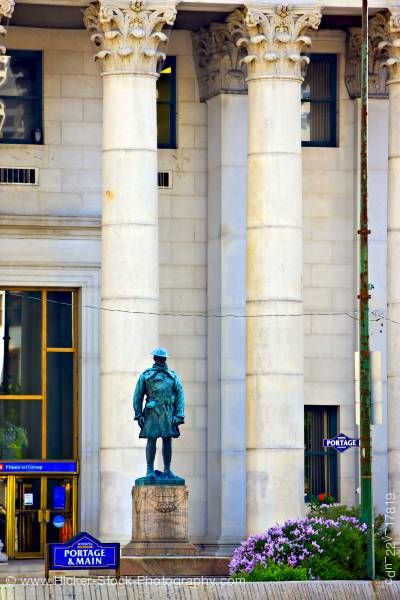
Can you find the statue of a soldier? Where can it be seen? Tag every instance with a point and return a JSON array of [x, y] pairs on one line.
[[162, 413]]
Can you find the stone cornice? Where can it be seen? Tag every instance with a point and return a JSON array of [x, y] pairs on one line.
[[127, 34], [218, 62], [377, 57], [274, 37]]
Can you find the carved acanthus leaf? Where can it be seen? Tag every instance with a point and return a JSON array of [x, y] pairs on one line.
[[274, 38], [377, 57], [6, 11], [218, 62], [391, 44], [128, 36]]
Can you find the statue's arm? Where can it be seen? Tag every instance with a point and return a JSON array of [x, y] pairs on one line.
[[179, 408], [138, 397]]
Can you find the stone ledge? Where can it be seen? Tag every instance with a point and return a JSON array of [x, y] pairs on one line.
[[214, 590], [175, 566]]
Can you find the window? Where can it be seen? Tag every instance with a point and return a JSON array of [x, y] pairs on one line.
[[38, 374], [318, 102], [320, 464], [21, 97], [166, 105]]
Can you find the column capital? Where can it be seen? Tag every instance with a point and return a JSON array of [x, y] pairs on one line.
[[391, 44], [218, 62], [6, 11], [377, 57], [274, 37], [127, 34], [6, 8]]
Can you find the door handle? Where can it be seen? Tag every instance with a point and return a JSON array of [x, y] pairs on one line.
[[40, 515], [47, 515]]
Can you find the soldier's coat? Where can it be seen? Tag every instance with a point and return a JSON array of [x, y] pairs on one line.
[[161, 386]]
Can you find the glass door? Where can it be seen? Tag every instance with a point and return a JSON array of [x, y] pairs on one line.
[[28, 517], [60, 509], [44, 512], [3, 512]]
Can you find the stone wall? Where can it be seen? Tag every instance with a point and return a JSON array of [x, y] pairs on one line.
[[328, 201], [183, 264]]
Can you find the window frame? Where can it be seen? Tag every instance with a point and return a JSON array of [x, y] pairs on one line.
[[332, 465], [170, 61], [333, 101], [45, 350], [37, 55]]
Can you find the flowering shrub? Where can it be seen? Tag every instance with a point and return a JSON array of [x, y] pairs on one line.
[[326, 548]]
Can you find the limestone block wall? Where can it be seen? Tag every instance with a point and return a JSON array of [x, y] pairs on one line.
[[329, 213], [70, 160], [183, 260]]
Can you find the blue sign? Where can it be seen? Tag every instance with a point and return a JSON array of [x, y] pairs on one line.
[[40, 467], [341, 442], [83, 552], [58, 521], [59, 497]]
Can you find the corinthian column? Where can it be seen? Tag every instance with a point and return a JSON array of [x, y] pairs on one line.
[[392, 45], [127, 35], [274, 38]]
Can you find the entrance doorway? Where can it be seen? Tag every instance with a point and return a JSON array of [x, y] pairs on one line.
[[35, 511], [38, 418]]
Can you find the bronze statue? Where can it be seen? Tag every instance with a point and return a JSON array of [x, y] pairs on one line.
[[161, 414]]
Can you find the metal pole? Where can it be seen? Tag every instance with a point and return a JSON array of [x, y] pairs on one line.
[[367, 513]]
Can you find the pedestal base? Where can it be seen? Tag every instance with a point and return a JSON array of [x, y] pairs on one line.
[[160, 522], [159, 549], [175, 566]]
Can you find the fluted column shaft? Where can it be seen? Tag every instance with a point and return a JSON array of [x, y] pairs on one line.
[[127, 35], [275, 395]]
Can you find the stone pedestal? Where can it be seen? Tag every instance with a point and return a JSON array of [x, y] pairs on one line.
[[160, 522]]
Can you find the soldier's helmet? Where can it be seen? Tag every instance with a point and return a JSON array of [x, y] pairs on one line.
[[161, 352]]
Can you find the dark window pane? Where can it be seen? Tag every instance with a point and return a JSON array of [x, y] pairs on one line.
[[20, 343], [22, 75], [60, 402], [164, 86], [20, 429], [59, 319], [317, 82], [166, 104], [306, 121], [320, 122], [21, 118], [320, 464], [318, 111], [163, 123]]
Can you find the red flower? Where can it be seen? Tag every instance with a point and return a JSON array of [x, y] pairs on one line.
[[321, 497]]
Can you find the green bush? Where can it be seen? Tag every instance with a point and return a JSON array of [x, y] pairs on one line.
[[274, 572], [382, 539]]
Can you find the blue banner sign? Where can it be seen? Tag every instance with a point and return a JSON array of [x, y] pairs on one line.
[[41, 467], [341, 442], [83, 552], [59, 497]]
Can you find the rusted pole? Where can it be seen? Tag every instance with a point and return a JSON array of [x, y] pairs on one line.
[[367, 514]]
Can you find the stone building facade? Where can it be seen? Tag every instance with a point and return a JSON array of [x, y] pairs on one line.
[[244, 266]]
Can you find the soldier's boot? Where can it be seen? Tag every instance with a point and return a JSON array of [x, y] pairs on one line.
[[167, 455], [150, 456]]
